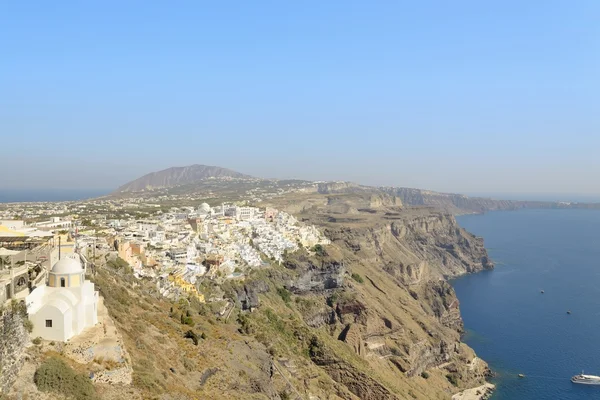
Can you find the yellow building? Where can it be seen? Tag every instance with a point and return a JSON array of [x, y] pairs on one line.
[[186, 286]]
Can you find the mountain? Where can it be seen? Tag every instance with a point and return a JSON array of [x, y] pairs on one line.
[[176, 176]]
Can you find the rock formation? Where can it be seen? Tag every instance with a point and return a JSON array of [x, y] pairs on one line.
[[395, 310], [13, 339]]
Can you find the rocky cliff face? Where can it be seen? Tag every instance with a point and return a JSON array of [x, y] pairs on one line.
[[336, 187], [461, 204], [13, 339], [247, 294], [451, 202], [395, 313]]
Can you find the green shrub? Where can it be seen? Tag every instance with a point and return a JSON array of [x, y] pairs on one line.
[[28, 325], [425, 375], [357, 278], [37, 341], [284, 294], [284, 395], [277, 323], [186, 320], [191, 335], [452, 378], [319, 250], [396, 351], [246, 325], [332, 300], [315, 347], [54, 375]]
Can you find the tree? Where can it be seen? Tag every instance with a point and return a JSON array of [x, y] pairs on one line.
[[319, 250], [191, 335], [357, 277]]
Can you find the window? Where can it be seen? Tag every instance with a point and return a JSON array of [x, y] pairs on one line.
[[62, 282], [48, 323]]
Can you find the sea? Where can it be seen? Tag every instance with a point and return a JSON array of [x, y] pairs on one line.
[[34, 195], [518, 329]]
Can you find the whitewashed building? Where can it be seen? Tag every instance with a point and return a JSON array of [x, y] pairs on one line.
[[66, 305]]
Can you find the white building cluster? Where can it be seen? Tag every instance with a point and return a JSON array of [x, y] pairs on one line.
[[216, 242], [176, 247]]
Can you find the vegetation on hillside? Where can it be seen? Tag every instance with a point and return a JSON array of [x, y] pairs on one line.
[[55, 376]]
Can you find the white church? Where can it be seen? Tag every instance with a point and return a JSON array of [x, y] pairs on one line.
[[66, 305]]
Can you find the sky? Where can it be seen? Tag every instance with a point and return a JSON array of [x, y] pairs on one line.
[[460, 96]]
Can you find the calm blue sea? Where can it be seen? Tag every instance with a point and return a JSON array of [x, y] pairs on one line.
[[517, 329], [31, 195]]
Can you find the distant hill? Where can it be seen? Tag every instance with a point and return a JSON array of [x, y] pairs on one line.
[[461, 204], [176, 176]]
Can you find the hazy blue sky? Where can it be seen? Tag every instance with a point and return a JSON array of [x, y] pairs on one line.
[[467, 96]]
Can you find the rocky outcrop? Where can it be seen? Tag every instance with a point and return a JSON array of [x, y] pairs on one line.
[[358, 382], [315, 278], [320, 317], [442, 301], [337, 187], [13, 339], [247, 295]]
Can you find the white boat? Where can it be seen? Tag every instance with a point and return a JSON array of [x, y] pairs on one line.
[[586, 379]]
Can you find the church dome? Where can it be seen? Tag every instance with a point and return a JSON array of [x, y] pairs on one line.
[[204, 208], [71, 264]]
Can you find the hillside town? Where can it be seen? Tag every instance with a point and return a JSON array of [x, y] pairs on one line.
[[177, 248]]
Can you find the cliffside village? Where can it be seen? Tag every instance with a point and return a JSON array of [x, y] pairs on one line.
[[177, 248]]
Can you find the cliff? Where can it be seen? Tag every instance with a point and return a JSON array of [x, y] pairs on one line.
[[377, 305], [176, 176], [461, 204], [454, 203]]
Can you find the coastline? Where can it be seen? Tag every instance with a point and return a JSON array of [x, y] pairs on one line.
[[485, 391], [13, 196], [482, 392]]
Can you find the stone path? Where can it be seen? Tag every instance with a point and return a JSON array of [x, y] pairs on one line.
[[103, 345]]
